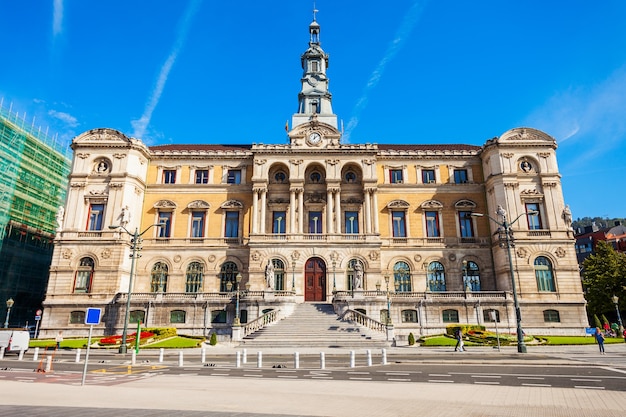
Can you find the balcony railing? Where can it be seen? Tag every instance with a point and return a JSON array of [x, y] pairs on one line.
[[422, 295]]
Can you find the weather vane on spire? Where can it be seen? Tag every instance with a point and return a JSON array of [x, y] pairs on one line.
[[314, 11]]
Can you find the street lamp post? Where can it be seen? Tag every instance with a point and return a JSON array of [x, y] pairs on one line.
[[229, 287], [334, 279], [615, 299], [10, 303], [135, 246], [293, 276], [388, 302], [505, 233]]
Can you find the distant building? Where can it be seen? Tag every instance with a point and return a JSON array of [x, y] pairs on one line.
[[33, 183], [314, 220], [587, 239]]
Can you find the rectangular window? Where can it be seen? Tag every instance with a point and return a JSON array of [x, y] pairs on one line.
[[315, 222], [395, 176], [278, 222], [399, 224], [432, 224], [177, 316], [232, 224], [202, 176], [450, 316], [169, 176], [409, 316], [315, 66], [234, 176], [197, 223], [460, 176], [428, 176], [352, 222], [465, 224], [534, 219], [96, 214], [165, 219]]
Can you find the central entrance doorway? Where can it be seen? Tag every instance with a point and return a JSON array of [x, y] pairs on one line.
[[315, 280]]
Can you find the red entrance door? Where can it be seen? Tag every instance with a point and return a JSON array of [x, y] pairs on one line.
[[315, 280]]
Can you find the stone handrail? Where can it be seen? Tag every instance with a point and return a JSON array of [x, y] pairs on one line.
[[259, 323], [423, 295], [363, 320]]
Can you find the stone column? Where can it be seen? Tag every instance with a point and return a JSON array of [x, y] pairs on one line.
[[300, 210], [255, 210], [292, 211], [329, 211], [367, 215], [263, 209], [375, 210]]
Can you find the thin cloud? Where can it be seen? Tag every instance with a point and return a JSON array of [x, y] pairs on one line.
[[141, 125], [405, 29], [66, 118], [57, 17]]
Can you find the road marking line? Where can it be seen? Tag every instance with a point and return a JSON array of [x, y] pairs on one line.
[[321, 377], [443, 375], [536, 385], [487, 382], [358, 373], [530, 377], [286, 371], [486, 376], [360, 379], [256, 376], [287, 376], [399, 379], [587, 387], [219, 374], [397, 374], [440, 380], [586, 380]]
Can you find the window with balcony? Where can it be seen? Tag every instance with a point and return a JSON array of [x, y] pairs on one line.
[[231, 225], [96, 216], [228, 273], [315, 222], [428, 176], [194, 277], [351, 222], [471, 276], [279, 275], [398, 223], [460, 176], [544, 275], [197, 223], [432, 224], [279, 222], [402, 277]]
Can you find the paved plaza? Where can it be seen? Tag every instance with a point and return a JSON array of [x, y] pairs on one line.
[[194, 395]]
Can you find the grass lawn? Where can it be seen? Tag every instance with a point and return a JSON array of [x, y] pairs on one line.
[[177, 342], [441, 340]]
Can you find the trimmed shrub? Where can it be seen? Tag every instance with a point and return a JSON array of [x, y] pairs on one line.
[[411, 339], [213, 339]]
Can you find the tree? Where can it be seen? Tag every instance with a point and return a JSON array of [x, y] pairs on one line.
[[604, 275]]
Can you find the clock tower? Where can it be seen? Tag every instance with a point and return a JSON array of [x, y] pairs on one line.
[[314, 121]]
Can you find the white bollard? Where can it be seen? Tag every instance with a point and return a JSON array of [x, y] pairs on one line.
[[48, 363], [180, 358], [237, 359], [369, 357], [322, 360], [161, 355], [2, 352], [35, 354], [133, 357], [21, 355], [77, 359], [384, 357], [351, 359], [244, 356], [259, 360], [296, 360], [203, 355]]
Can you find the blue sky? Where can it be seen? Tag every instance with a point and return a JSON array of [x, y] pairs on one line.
[[402, 71]]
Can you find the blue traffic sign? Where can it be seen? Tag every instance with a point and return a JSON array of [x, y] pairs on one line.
[[93, 316]]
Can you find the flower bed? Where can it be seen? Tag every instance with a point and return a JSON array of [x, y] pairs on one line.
[[144, 337]]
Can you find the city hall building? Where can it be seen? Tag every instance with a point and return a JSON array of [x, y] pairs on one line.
[[227, 238]]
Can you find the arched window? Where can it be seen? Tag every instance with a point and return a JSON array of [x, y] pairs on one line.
[[84, 276], [228, 274], [471, 276], [195, 274], [354, 272], [77, 317], [551, 316], [158, 281], [436, 277], [350, 177], [450, 316], [543, 274], [280, 177], [402, 277], [178, 316], [279, 275]]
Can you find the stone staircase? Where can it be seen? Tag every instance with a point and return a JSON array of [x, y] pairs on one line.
[[315, 325]]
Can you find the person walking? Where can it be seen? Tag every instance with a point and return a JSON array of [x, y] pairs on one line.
[[600, 339], [458, 334]]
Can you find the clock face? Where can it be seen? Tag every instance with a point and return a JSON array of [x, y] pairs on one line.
[[315, 138]]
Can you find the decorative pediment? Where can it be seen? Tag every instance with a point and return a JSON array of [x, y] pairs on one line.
[[162, 204], [102, 135], [431, 204], [232, 204], [526, 134], [198, 204], [465, 204], [396, 204]]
